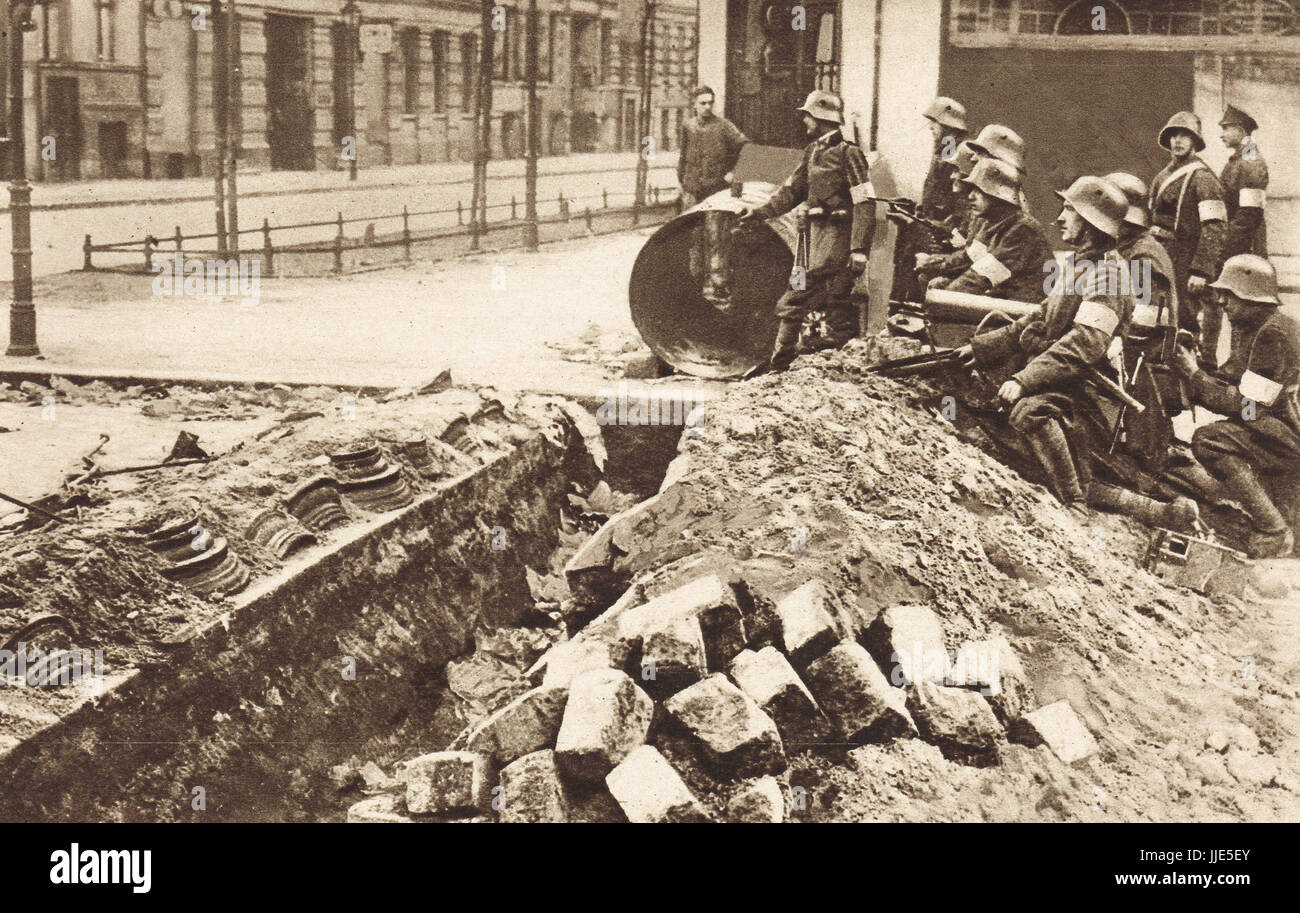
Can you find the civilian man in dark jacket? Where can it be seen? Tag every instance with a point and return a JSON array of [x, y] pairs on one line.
[[709, 148]]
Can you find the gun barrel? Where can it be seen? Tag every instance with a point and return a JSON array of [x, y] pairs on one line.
[[963, 307]]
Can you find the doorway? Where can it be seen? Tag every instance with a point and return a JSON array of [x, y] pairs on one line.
[[63, 122], [290, 121]]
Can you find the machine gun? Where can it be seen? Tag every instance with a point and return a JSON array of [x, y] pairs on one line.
[[901, 209]]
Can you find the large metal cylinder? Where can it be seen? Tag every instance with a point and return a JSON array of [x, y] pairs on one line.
[[672, 315]]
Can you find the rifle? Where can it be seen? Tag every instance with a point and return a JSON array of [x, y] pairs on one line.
[[941, 359], [905, 210]]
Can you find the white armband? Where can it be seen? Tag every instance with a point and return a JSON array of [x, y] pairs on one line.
[[860, 193], [1146, 315], [1259, 388], [976, 249], [1210, 210], [991, 268], [1251, 196], [1096, 315]]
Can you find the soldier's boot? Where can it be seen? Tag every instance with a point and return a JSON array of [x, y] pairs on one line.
[[1211, 327], [1180, 514], [1272, 537], [841, 323], [1052, 450], [787, 338]]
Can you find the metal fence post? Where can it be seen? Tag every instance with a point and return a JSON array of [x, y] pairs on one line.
[[179, 238], [587, 215], [148, 254], [268, 252], [406, 231], [338, 246], [86, 249], [460, 216], [514, 212], [604, 198]]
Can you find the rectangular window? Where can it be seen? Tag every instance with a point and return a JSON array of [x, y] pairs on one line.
[[441, 49], [606, 42], [552, 46], [501, 48], [468, 70], [410, 71], [104, 37]]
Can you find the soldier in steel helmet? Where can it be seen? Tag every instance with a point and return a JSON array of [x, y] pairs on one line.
[[832, 184], [1255, 451], [1006, 258], [1053, 351], [966, 226], [1189, 217]]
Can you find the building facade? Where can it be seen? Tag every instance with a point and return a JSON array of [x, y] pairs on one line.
[[1088, 83], [124, 88]]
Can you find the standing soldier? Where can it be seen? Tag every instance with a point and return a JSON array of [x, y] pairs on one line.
[[709, 149], [1155, 314], [1245, 183], [942, 199], [1008, 256], [1189, 217], [1053, 404], [1261, 436], [832, 184]]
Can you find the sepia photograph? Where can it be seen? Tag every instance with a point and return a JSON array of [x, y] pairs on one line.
[[651, 411]]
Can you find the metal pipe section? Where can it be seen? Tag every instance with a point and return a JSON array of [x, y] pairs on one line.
[[961, 307], [668, 308]]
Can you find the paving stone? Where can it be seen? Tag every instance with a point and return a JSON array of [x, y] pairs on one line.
[[531, 791], [1217, 740], [1059, 728], [649, 791], [672, 656], [768, 678], [807, 627], [1211, 770], [448, 781], [853, 691], [711, 600], [757, 802], [382, 809], [606, 716], [569, 659], [958, 721], [992, 667], [528, 723], [907, 640], [736, 734]]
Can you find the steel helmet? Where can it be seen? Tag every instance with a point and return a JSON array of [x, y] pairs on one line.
[[824, 106], [1249, 277], [1100, 202], [948, 112], [997, 179], [1184, 120], [1001, 143], [1235, 117], [1135, 189]]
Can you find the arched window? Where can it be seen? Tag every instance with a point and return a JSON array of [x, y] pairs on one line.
[[1083, 17]]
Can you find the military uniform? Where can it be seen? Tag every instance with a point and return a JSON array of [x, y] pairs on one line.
[[1051, 350], [1152, 319], [832, 181], [1189, 217], [1005, 260]]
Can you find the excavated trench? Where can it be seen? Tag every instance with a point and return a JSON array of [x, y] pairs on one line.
[[336, 663]]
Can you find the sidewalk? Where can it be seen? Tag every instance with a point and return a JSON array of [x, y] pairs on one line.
[[89, 194]]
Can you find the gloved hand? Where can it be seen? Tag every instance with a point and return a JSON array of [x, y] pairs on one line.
[[1010, 391], [857, 262], [965, 356], [957, 239], [1196, 284]]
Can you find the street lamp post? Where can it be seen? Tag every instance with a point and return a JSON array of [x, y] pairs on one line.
[[22, 312], [352, 21]]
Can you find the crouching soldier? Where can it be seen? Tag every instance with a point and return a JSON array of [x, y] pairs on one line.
[[832, 181], [1008, 253], [1260, 439], [930, 266], [1053, 403]]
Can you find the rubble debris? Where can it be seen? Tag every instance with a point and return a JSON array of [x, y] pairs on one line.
[[448, 781], [1059, 728], [992, 667], [672, 656], [382, 809], [606, 716], [850, 687], [737, 735], [649, 791]]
